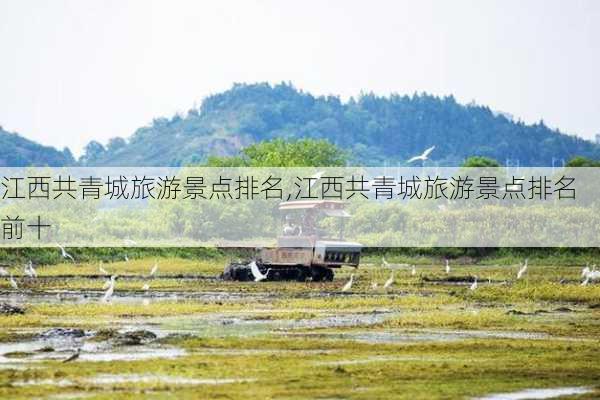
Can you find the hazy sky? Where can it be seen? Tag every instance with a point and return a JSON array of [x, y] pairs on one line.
[[72, 71]]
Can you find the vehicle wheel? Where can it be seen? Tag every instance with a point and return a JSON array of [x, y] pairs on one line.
[[302, 274]]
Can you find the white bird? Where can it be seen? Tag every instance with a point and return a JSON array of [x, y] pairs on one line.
[[447, 266], [522, 270], [111, 289], [591, 276], [106, 284], [473, 285], [101, 269], [126, 258], [384, 262], [423, 156], [13, 283], [3, 271], [348, 284], [146, 287], [316, 177], [29, 270], [64, 253], [154, 269], [258, 276], [374, 285], [413, 272], [585, 271], [389, 282]]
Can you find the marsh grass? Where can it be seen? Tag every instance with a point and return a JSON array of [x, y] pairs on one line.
[[320, 362]]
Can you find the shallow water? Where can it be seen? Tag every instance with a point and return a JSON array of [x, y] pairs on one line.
[[116, 379], [422, 335], [65, 346], [221, 325], [534, 394]]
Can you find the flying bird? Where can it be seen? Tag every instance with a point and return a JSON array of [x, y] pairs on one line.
[[316, 177], [389, 282], [473, 286], [591, 276], [258, 276], [522, 270], [64, 253], [348, 284], [447, 266], [422, 157]]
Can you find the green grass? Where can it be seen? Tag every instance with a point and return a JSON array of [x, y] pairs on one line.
[[289, 363]]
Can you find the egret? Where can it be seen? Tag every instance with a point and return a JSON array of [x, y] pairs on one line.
[[473, 285], [64, 253], [422, 157], [258, 276], [316, 177], [522, 270], [414, 270], [591, 276], [154, 268], [106, 284], [374, 285], [101, 269], [146, 287], [3, 271], [29, 270], [73, 356], [13, 283], [447, 266], [111, 288], [585, 271], [126, 258], [348, 284], [384, 262], [389, 282]]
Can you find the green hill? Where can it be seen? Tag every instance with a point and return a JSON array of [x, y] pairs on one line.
[[374, 128], [16, 151]]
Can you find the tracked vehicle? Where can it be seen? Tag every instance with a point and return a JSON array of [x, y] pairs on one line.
[[304, 251]]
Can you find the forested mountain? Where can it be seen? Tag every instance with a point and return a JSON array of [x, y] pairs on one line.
[[16, 151], [373, 128]]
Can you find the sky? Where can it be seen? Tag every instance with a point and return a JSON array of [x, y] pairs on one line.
[[81, 70]]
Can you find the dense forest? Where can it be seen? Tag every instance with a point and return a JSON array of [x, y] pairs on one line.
[[16, 151], [371, 129]]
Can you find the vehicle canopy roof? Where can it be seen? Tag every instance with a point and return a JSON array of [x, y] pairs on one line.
[[332, 208]]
